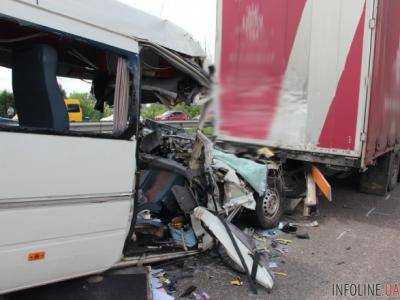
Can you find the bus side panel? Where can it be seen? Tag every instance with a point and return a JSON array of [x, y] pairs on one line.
[[65, 206], [76, 239], [384, 113]]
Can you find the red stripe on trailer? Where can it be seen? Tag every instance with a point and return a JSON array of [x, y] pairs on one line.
[[254, 56], [340, 126]]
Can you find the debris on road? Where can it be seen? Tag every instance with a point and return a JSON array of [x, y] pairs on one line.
[[189, 291], [236, 281], [370, 212], [201, 296], [311, 224], [272, 265], [303, 235], [289, 228], [281, 274], [162, 286], [343, 233]]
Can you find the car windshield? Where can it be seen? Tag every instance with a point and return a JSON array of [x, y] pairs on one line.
[[73, 108], [167, 113]]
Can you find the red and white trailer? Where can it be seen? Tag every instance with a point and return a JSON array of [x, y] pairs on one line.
[[317, 79]]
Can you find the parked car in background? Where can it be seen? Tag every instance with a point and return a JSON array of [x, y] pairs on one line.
[[6, 121], [173, 116], [74, 109]]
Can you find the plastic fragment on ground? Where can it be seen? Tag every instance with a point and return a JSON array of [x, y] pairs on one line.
[[158, 292], [272, 265], [280, 274], [270, 233], [201, 296], [236, 281]]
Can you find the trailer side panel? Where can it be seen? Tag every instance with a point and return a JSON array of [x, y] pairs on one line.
[[291, 74], [384, 113]]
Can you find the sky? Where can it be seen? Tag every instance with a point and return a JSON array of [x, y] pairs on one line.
[[198, 17]]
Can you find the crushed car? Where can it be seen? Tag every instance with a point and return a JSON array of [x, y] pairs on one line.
[[190, 193]]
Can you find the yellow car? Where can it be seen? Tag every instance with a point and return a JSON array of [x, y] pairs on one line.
[[74, 109]]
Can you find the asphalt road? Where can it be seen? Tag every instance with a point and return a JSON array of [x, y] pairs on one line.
[[357, 242]]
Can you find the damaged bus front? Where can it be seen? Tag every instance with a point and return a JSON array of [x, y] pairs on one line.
[[146, 191]]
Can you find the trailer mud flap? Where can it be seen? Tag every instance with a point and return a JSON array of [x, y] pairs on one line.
[[218, 229], [321, 183]]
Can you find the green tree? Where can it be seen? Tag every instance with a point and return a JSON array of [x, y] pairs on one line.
[[88, 103], [191, 110], [6, 100], [150, 111]]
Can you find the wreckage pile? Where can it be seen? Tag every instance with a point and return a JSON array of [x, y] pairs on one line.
[[189, 195]]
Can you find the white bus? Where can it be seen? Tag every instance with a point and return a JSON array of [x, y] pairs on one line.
[[58, 221]]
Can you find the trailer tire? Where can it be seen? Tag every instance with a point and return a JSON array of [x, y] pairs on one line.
[[269, 209], [382, 177], [394, 171]]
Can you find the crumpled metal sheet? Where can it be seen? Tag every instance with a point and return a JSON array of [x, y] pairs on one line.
[[255, 174], [235, 191]]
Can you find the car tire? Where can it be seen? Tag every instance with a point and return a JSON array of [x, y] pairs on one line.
[[269, 209]]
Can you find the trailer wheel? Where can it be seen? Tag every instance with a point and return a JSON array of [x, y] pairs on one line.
[[382, 177], [269, 209], [394, 171]]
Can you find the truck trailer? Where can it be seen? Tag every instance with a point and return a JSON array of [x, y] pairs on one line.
[[317, 81]]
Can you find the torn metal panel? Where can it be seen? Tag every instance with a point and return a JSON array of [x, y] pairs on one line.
[[255, 174], [205, 240], [170, 78], [263, 277], [202, 149], [236, 193], [245, 201], [182, 64]]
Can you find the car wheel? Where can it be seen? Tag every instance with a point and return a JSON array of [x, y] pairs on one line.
[[269, 209]]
